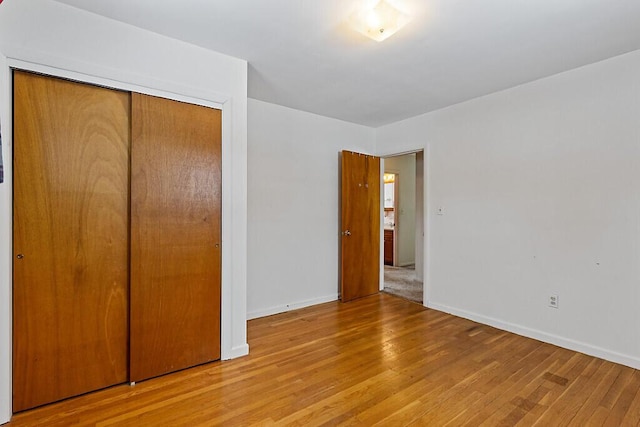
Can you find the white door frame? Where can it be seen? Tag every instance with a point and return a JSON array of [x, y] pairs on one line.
[[207, 99], [425, 221]]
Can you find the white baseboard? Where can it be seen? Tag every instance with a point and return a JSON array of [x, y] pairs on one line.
[[591, 350], [238, 351], [291, 306]]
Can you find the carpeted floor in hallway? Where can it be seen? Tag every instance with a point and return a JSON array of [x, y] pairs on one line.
[[402, 282]]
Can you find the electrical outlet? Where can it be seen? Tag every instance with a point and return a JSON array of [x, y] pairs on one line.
[[553, 301]]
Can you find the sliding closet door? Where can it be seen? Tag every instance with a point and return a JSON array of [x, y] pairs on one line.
[[175, 240], [71, 172]]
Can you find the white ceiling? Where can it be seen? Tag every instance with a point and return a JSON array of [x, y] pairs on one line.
[[302, 55]]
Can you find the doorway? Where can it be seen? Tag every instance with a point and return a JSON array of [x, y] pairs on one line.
[[403, 227]]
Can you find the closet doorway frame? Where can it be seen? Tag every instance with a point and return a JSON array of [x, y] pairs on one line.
[[204, 98]]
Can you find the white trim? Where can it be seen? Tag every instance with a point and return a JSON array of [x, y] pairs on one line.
[[226, 300], [291, 306], [427, 224], [39, 62], [6, 264], [205, 99], [238, 351], [401, 153], [426, 191], [591, 350], [381, 256]]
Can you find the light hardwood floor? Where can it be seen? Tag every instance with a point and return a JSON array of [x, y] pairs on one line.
[[378, 360]]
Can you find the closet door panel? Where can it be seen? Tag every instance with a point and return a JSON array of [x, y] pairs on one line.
[[70, 239], [175, 236]]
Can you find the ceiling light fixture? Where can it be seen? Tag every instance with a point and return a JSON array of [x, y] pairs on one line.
[[378, 20]]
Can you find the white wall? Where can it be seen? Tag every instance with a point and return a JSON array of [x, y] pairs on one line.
[[51, 37], [293, 217], [540, 190], [405, 217]]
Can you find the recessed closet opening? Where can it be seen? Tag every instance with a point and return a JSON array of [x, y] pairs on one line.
[[117, 237]]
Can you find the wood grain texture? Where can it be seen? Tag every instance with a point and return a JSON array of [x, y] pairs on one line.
[[360, 206], [175, 236], [71, 173], [379, 360]]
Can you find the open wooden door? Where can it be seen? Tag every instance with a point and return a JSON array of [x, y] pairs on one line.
[[360, 234]]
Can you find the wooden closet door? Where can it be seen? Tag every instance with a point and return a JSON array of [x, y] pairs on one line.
[[175, 240], [70, 239]]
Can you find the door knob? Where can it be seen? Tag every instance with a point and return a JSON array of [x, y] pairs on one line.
[[346, 233], [19, 256]]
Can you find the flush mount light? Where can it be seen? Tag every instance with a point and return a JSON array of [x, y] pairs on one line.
[[378, 20]]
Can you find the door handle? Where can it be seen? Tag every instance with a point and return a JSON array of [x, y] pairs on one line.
[[19, 256], [346, 233]]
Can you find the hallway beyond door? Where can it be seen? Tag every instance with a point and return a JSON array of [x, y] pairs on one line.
[[403, 282]]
